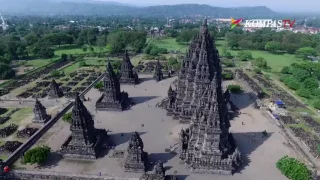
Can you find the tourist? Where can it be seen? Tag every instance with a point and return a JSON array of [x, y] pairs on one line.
[[242, 123]]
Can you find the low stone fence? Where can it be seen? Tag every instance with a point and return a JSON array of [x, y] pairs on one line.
[[41, 175], [34, 138]]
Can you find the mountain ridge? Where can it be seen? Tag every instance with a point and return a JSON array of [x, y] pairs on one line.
[[101, 8]]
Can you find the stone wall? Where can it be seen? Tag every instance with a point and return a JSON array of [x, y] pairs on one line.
[[41, 175], [34, 138]]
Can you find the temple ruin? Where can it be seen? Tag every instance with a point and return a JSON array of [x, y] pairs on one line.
[[158, 75], [40, 113], [127, 74], [136, 159], [112, 98], [54, 91], [85, 142], [206, 146]]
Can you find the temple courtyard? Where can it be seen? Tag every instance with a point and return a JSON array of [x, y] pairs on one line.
[[160, 134]]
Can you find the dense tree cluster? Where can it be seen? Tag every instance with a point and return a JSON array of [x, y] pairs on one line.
[[293, 169], [154, 50], [119, 40], [303, 78], [275, 42]]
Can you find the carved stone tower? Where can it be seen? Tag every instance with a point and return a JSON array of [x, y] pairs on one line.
[[84, 141], [136, 159], [55, 91], [112, 99], [40, 113], [128, 76], [206, 146], [158, 72]]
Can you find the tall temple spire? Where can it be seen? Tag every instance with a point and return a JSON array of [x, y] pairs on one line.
[[158, 71], [207, 147], [127, 74], [112, 98], [82, 124], [85, 141], [40, 114], [54, 91], [136, 159]]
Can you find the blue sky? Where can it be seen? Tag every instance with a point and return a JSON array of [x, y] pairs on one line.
[[277, 5]]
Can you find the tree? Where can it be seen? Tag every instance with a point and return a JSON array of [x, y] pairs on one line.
[[172, 61], [6, 72], [234, 88], [46, 52], [285, 70], [272, 46], [227, 75], [293, 169], [64, 57], [99, 86], [186, 35], [244, 55], [67, 117], [37, 155], [304, 52], [84, 48], [260, 62], [310, 83], [31, 38], [304, 93], [316, 104]]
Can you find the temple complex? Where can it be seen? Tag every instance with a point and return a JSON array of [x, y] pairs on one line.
[[40, 113], [112, 98], [127, 74], [136, 159], [158, 72], [206, 146], [85, 141], [54, 91]]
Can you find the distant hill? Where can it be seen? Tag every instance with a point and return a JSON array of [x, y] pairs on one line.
[[90, 7]]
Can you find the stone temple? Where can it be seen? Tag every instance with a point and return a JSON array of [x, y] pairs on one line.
[[54, 91], [206, 146], [158, 173], [85, 142], [158, 75], [112, 98], [127, 74], [40, 113], [136, 159]]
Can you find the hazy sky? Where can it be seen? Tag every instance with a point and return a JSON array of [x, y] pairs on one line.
[[277, 5]]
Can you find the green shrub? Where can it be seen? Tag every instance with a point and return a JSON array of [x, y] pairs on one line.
[[293, 169], [99, 86], [316, 104], [67, 117], [55, 73], [36, 155], [304, 93], [83, 64], [227, 75], [234, 88]]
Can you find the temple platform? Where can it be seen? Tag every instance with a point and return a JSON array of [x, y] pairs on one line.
[[35, 120], [91, 151], [104, 104], [128, 81]]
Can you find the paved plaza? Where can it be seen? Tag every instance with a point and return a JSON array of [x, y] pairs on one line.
[[160, 132]]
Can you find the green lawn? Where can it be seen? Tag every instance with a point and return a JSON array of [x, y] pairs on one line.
[[74, 49], [275, 61], [18, 116], [169, 43], [71, 69]]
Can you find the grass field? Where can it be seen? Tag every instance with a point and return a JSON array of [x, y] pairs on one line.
[[74, 49], [275, 61], [169, 43], [18, 116]]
